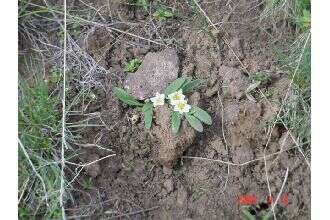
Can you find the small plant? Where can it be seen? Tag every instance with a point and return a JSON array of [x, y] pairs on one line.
[[259, 77], [271, 93], [55, 76], [143, 3], [87, 183], [304, 21], [174, 98], [162, 14], [132, 65], [264, 214], [39, 122], [302, 14]]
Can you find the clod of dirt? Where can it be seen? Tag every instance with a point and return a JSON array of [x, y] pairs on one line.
[[242, 122], [282, 86], [237, 46], [182, 196], [218, 146], [94, 169], [155, 73], [194, 98], [97, 42], [212, 90], [170, 146], [119, 9], [234, 81], [138, 51], [167, 171], [169, 185], [188, 70]]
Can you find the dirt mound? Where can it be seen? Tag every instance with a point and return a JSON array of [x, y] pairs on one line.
[[203, 187], [170, 146]]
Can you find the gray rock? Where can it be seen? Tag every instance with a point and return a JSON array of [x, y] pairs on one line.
[[154, 74]]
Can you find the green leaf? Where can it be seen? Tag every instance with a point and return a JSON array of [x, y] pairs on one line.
[[148, 112], [143, 3], [194, 122], [259, 77], [248, 215], [132, 65], [174, 86], [201, 115], [191, 84], [168, 14], [162, 14], [126, 97], [266, 216], [176, 121]]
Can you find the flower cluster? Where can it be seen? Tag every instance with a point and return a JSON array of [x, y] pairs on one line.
[[177, 100], [172, 96]]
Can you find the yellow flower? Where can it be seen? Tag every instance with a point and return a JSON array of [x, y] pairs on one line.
[[176, 97], [182, 107], [158, 99]]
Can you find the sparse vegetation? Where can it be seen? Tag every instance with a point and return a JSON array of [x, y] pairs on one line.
[[39, 124], [88, 183], [95, 122], [250, 214], [132, 65], [297, 110], [143, 3], [174, 94], [162, 14], [259, 77]]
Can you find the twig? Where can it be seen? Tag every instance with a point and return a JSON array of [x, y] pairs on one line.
[[63, 118], [90, 163], [279, 194], [225, 141], [239, 164], [268, 184], [134, 213]]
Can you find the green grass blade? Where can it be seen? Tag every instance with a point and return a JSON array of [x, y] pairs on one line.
[[126, 97], [194, 122], [175, 121], [174, 86]]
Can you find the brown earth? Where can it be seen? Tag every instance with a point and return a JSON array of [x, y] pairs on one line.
[[133, 185]]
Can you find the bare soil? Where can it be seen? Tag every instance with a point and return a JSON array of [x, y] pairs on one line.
[[132, 184]]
